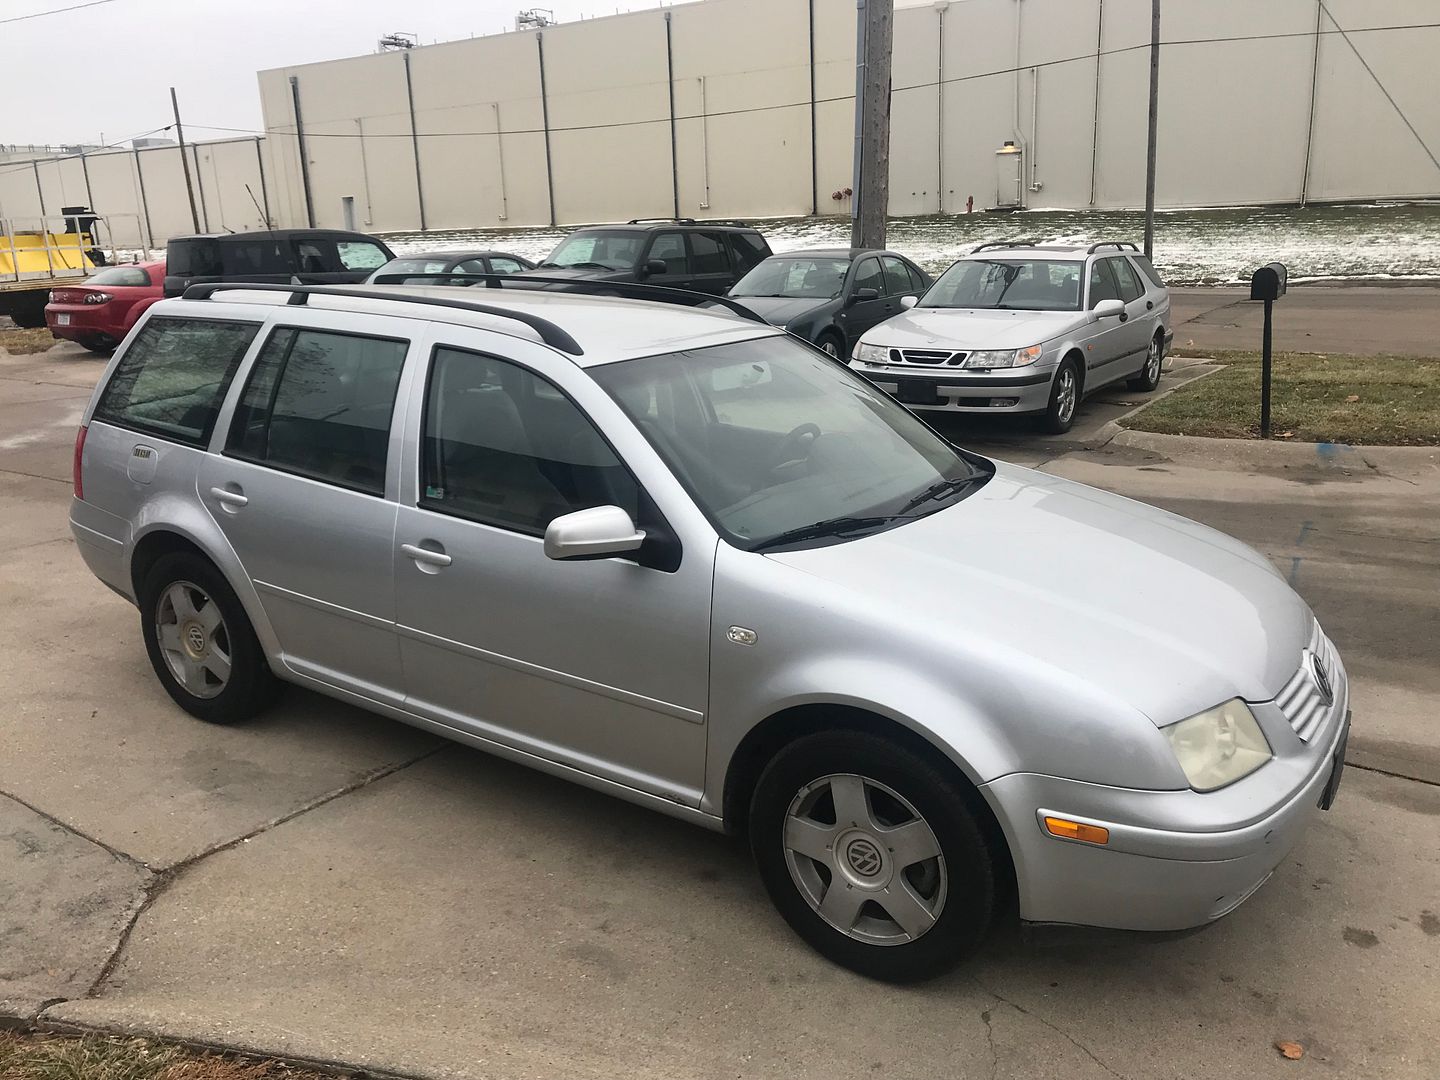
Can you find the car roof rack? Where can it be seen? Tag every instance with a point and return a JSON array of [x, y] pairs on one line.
[[1123, 245], [550, 334], [628, 290], [733, 222], [1031, 242], [661, 221]]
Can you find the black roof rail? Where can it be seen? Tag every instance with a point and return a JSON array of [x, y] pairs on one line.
[[628, 290], [732, 222], [1031, 242], [1123, 245], [550, 334], [661, 221]]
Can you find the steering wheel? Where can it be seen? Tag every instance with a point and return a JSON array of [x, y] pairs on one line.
[[793, 449]]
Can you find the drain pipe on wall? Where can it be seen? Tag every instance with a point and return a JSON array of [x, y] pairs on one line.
[[1035, 184], [1015, 122], [940, 6], [1095, 119]]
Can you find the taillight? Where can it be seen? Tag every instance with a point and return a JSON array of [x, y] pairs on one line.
[[98, 298], [79, 461]]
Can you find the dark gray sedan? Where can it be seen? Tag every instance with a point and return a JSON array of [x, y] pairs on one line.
[[830, 296], [428, 263]]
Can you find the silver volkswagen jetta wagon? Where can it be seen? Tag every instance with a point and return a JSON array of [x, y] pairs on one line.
[[683, 558]]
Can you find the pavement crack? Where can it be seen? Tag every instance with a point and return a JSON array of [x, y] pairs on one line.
[[35, 476], [114, 852], [1391, 773], [163, 878], [1053, 1027], [990, 1042]]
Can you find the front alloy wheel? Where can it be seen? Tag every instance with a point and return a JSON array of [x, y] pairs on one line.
[[1064, 398]]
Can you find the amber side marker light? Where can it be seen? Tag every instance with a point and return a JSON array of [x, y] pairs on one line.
[[1073, 830]]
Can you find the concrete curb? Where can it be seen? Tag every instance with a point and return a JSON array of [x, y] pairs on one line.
[[1269, 454]]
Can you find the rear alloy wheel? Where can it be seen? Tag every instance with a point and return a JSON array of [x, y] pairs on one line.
[[201, 643], [1148, 377], [871, 854], [1064, 399]]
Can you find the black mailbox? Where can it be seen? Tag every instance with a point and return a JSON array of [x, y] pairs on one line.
[[1268, 283]]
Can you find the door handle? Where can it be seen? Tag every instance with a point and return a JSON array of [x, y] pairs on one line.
[[229, 497], [427, 556]]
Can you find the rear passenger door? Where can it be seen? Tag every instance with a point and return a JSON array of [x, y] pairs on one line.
[[710, 269], [299, 489], [1139, 325]]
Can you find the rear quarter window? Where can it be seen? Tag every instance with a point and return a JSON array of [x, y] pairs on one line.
[[1148, 269], [119, 275], [172, 378]]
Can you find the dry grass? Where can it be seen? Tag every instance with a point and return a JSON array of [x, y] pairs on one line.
[[95, 1057], [19, 342], [1362, 400]]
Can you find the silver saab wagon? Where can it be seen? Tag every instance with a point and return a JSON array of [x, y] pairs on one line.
[[686, 559]]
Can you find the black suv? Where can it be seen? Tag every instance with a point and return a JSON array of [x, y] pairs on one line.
[[283, 256], [680, 253]]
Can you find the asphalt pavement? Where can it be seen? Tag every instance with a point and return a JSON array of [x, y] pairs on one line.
[[327, 885]]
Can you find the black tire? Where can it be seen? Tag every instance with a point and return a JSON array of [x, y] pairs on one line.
[[1148, 378], [28, 318], [250, 686], [830, 342], [100, 346], [1059, 418], [936, 795]]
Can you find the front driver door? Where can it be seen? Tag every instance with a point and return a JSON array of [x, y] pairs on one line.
[[669, 248], [860, 315], [601, 666]]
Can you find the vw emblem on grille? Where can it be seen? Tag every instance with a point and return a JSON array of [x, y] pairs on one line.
[[864, 857], [1322, 680]]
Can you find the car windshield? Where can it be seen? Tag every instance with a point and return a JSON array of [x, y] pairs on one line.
[[819, 279], [779, 445], [1018, 284], [610, 249]]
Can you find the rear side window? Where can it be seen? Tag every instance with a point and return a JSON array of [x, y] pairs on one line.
[[1126, 279], [319, 403], [1148, 269], [316, 257], [505, 266], [172, 378], [361, 255], [504, 447], [750, 249], [897, 277], [706, 255]]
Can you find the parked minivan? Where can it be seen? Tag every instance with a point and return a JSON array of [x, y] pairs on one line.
[[290, 256], [687, 559]]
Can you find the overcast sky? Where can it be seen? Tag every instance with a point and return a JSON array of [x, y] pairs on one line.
[[108, 68]]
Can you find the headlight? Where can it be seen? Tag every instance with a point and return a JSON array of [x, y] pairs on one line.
[[1003, 358], [1219, 746], [871, 354]]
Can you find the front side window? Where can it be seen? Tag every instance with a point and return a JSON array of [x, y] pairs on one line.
[[610, 249], [869, 276], [779, 445], [1126, 279], [817, 278], [505, 447], [1102, 283], [670, 248], [707, 255], [319, 403], [174, 375], [1008, 284], [360, 255]]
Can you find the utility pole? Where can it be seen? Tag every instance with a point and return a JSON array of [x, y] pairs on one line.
[[875, 22], [1154, 118], [184, 161]]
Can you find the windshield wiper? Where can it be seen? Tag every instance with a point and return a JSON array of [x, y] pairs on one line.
[[938, 490], [838, 526]]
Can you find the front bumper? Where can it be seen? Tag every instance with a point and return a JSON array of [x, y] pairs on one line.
[[1003, 390], [1151, 878]]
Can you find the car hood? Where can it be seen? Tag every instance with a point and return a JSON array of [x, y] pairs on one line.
[[971, 328], [781, 310], [1152, 609]]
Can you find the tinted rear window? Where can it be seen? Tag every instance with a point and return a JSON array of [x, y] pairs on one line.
[[119, 275], [173, 377]]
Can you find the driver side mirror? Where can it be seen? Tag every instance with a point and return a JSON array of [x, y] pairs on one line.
[[861, 296], [656, 266], [1108, 309], [907, 302], [596, 533]]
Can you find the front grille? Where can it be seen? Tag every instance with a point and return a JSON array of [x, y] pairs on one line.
[[928, 357], [1301, 700]]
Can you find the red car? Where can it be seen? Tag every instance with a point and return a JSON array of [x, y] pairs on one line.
[[99, 312]]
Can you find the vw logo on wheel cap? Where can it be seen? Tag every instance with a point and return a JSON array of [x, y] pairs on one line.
[[864, 857], [1322, 680]]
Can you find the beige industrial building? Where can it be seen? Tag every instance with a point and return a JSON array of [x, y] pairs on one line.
[[726, 108]]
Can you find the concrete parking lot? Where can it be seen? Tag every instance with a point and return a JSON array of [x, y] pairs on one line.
[[328, 885]]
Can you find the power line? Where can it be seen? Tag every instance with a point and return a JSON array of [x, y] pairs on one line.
[[995, 73], [54, 11], [15, 166]]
